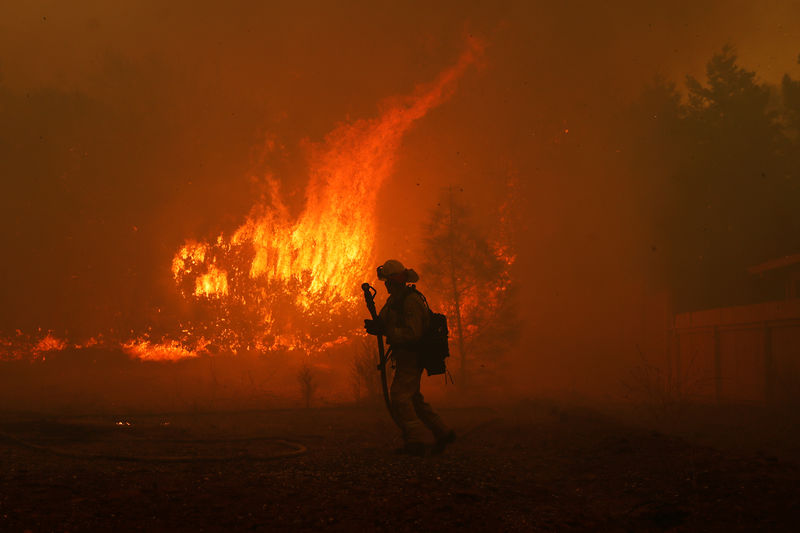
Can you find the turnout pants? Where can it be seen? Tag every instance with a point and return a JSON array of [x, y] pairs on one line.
[[411, 411]]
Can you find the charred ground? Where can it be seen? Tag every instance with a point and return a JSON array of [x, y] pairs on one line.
[[521, 467]]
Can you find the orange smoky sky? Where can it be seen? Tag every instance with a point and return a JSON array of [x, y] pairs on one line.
[[128, 128]]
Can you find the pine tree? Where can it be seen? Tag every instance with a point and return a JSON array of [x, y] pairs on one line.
[[719, 178], [470, 274]]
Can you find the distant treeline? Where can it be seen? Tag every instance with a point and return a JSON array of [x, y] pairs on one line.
[[718, 170]]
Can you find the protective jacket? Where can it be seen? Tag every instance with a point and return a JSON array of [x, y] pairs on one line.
[[406, 318]]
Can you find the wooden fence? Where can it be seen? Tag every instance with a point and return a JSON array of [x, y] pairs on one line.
[[742, 354]]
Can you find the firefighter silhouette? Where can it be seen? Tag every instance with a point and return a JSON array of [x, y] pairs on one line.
[[403, 320]]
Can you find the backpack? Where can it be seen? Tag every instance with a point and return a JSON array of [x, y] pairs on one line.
[[433, 347]]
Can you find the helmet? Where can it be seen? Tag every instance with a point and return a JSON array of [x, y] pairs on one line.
[[395, 271]]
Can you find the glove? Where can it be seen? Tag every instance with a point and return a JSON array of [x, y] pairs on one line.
[[374, 327]]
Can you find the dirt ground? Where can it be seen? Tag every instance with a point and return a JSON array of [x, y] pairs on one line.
[[524, 467]]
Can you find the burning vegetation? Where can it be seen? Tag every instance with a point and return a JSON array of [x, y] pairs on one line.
[[188, 218], [280, 282]]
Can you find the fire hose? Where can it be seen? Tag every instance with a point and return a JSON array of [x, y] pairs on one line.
[[383, 357]]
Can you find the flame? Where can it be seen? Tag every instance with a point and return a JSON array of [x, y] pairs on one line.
[[166, 351], [284, 272], [212, 283], [191, 252], [48, 344], [22, 346], [91, 341], [283, 282]]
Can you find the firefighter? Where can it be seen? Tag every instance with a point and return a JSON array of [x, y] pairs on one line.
[[403, 319]]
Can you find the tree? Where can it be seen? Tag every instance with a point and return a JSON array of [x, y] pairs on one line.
[[790, 99], [718, 178], [307, 382], [471, 275], [790, 91]]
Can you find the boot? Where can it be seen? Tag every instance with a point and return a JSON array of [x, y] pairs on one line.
[[443, 441]]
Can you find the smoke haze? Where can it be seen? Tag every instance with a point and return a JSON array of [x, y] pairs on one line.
[[127, 129]]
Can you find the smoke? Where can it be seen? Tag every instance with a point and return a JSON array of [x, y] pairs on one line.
[[127, 129]]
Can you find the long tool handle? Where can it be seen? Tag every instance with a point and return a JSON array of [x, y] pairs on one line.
[[369, 297]]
